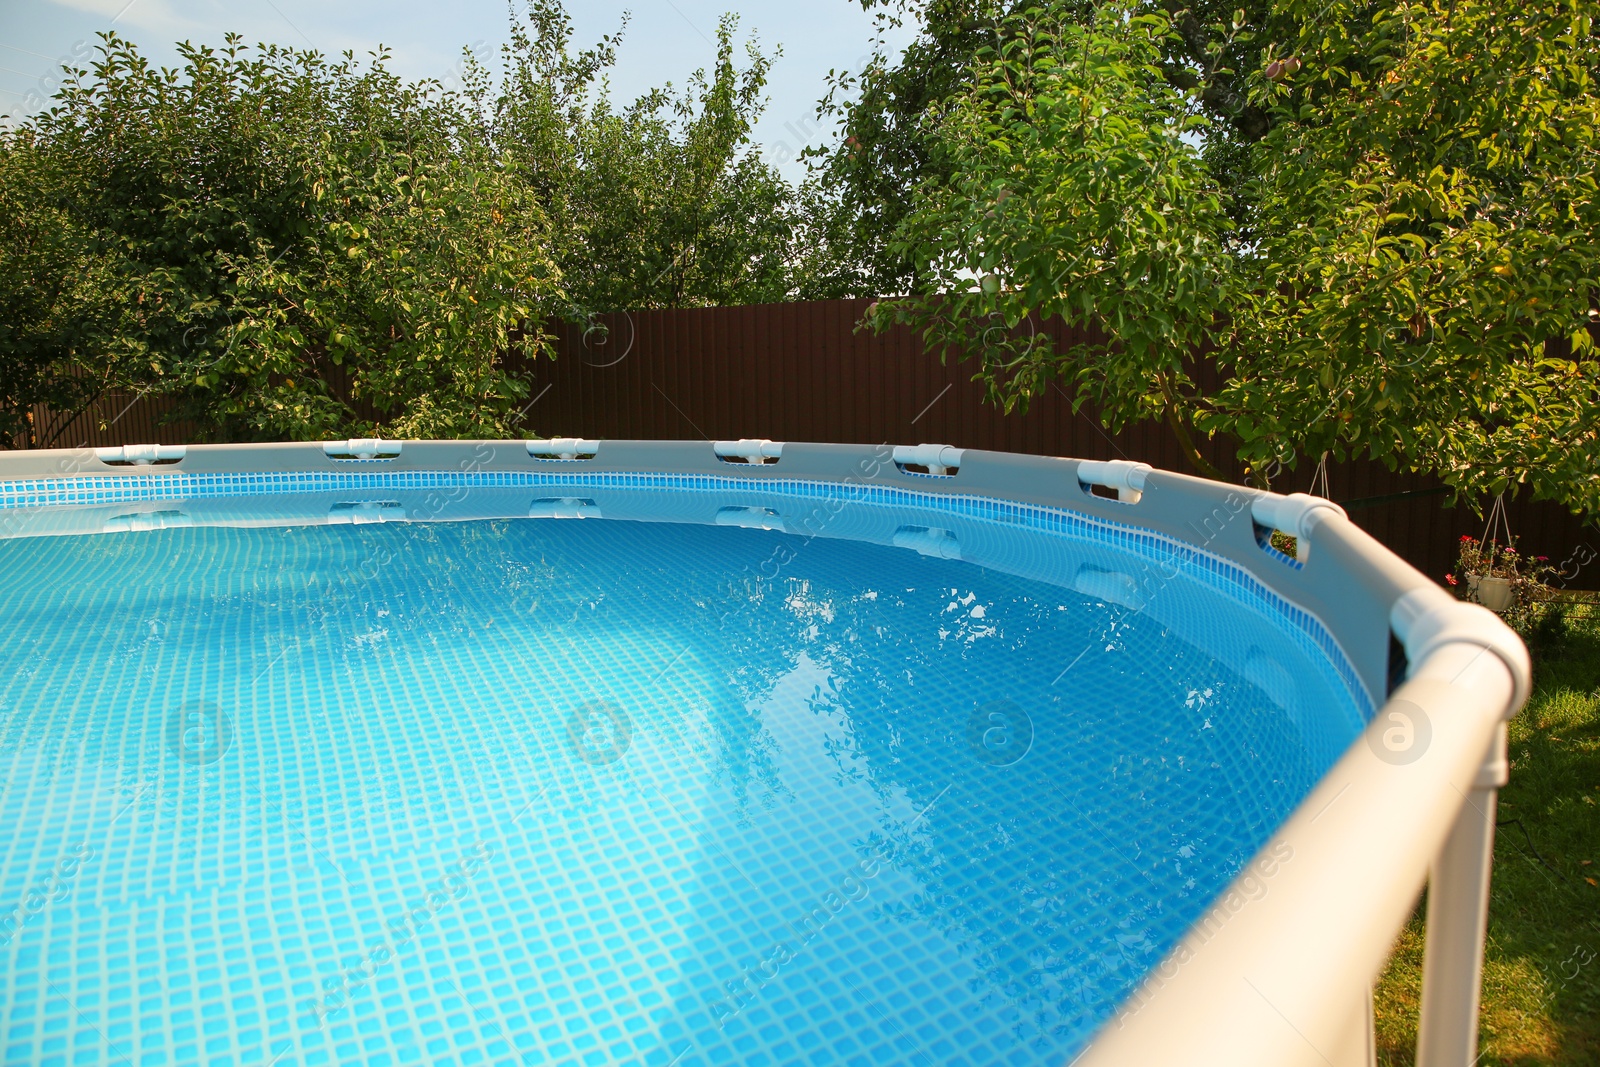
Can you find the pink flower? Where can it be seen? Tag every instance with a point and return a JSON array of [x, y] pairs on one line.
[[1451, 579]]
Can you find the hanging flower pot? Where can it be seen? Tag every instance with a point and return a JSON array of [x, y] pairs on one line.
[[1498, 576], [1494, 593]]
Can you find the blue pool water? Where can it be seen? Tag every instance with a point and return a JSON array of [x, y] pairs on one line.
[[536, 791]]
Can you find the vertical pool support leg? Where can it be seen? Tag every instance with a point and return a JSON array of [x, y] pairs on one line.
[[1458, 913]]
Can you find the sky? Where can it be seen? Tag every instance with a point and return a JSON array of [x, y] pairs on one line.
[[665, 41]]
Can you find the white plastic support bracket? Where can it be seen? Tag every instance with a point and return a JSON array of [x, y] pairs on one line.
[[928, 541], [1113, 587], [749, 450], [1123, 475], [141, 455], [563, 507], [938, 459], [751, 518], [1427, 619], [143, 521], [362, 512], [361, 448], [563, 448], [1296, 515]]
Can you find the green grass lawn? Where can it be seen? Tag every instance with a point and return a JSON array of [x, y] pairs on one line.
[[1541, 989]]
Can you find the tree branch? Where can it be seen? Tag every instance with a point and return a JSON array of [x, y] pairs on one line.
[[1181, 431]]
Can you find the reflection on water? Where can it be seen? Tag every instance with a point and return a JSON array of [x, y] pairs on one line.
[[729, 793]]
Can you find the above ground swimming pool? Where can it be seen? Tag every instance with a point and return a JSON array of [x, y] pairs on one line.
[[656, 753]]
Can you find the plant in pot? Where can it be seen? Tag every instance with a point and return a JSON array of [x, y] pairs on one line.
[[1501, 578], [1497, 575]]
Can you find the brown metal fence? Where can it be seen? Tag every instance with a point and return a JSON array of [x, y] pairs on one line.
[[803, 372], [115, 419]]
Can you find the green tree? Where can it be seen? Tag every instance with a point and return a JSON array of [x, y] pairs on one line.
[[885, 147], [1402, 264], [1075, 191], [1426, 275], [666, 200], [293, 247], [888, 143], [289, 247], [54, 326]]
